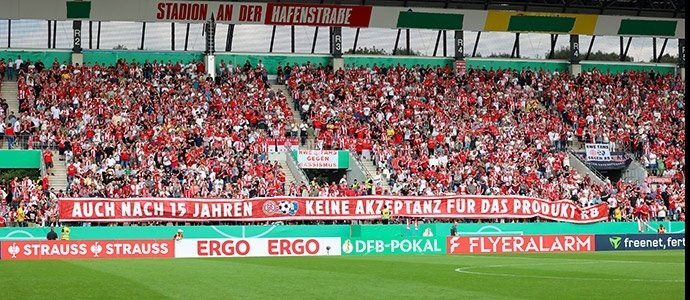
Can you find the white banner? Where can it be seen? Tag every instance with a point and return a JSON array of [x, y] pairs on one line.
[[317, 159], [257, 247], [600, 152]]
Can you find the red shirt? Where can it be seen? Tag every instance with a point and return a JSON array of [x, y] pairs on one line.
[[71, 170], [48, 156]]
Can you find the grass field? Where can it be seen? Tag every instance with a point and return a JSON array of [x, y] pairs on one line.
[[597, 275]]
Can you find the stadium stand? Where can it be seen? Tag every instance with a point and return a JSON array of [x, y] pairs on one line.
[[135, 129]]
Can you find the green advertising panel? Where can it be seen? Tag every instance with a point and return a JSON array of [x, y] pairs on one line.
[[20, 159], [165, 232], [647, 27], [394, 246], [426, 20], [488, 229], [383, 232]]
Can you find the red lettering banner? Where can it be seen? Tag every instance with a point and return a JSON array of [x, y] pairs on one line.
[[519, 243], [335, 208], [317, 15], [87, 249]]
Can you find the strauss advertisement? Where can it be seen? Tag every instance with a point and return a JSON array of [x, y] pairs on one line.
[[87, 249]]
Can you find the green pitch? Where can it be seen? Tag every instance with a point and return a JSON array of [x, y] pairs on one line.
[[600, 275]]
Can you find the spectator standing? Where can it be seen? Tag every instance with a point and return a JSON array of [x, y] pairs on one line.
[[52, 235], [48, 160], [9, 133]]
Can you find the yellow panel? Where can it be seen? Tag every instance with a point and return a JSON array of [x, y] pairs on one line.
[[499, 20]]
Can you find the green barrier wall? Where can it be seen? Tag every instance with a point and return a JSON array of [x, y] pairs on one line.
[[394, 246], [20, 159], [271, 60], [496, 63], [409, 61], [443, 229], [46, 56], [345, 231], [615, 67], [167, 232], [111, 56]]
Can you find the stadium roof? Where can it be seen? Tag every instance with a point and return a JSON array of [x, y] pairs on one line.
[[643, 8]]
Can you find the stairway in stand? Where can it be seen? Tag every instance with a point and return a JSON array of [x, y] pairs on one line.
[[8, 91], [371, 168], [59, 181], [286, 92]]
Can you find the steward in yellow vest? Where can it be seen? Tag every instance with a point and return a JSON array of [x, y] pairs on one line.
[[385, 214]]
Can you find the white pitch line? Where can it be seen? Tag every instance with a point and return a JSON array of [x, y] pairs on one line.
[[581, 260], [465, 271]]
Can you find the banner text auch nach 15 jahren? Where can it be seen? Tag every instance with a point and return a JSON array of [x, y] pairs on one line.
[[336, 208]]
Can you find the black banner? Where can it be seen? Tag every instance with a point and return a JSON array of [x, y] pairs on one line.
[[574, 49], [681, 53], [337, 42], [459, 45], [76, 29], [618, 161]]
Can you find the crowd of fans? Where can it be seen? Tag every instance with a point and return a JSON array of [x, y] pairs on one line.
[[486, 133], [164, 129]]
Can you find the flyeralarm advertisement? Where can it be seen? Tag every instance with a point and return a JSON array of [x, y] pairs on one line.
[[519, 244], [34, 250], [255, 247]]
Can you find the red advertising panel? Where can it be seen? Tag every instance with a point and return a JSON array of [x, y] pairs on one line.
[[87, 249], [460, 67], [335, 208], [317, 15], [519, 244]]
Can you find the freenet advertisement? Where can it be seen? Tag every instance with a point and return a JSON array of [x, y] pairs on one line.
[[624, 242]]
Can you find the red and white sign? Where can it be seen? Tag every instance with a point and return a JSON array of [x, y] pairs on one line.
[[253, 247], [317, 159], [87, 249], [317, 15], [259, 13], [519, 244], [659, 179], [460, 67], [327, 208], [279, 144]]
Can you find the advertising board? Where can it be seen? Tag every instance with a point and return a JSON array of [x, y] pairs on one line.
[[519, 244], [627, 242], [34, 250], [257, 247], [394, 246]]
